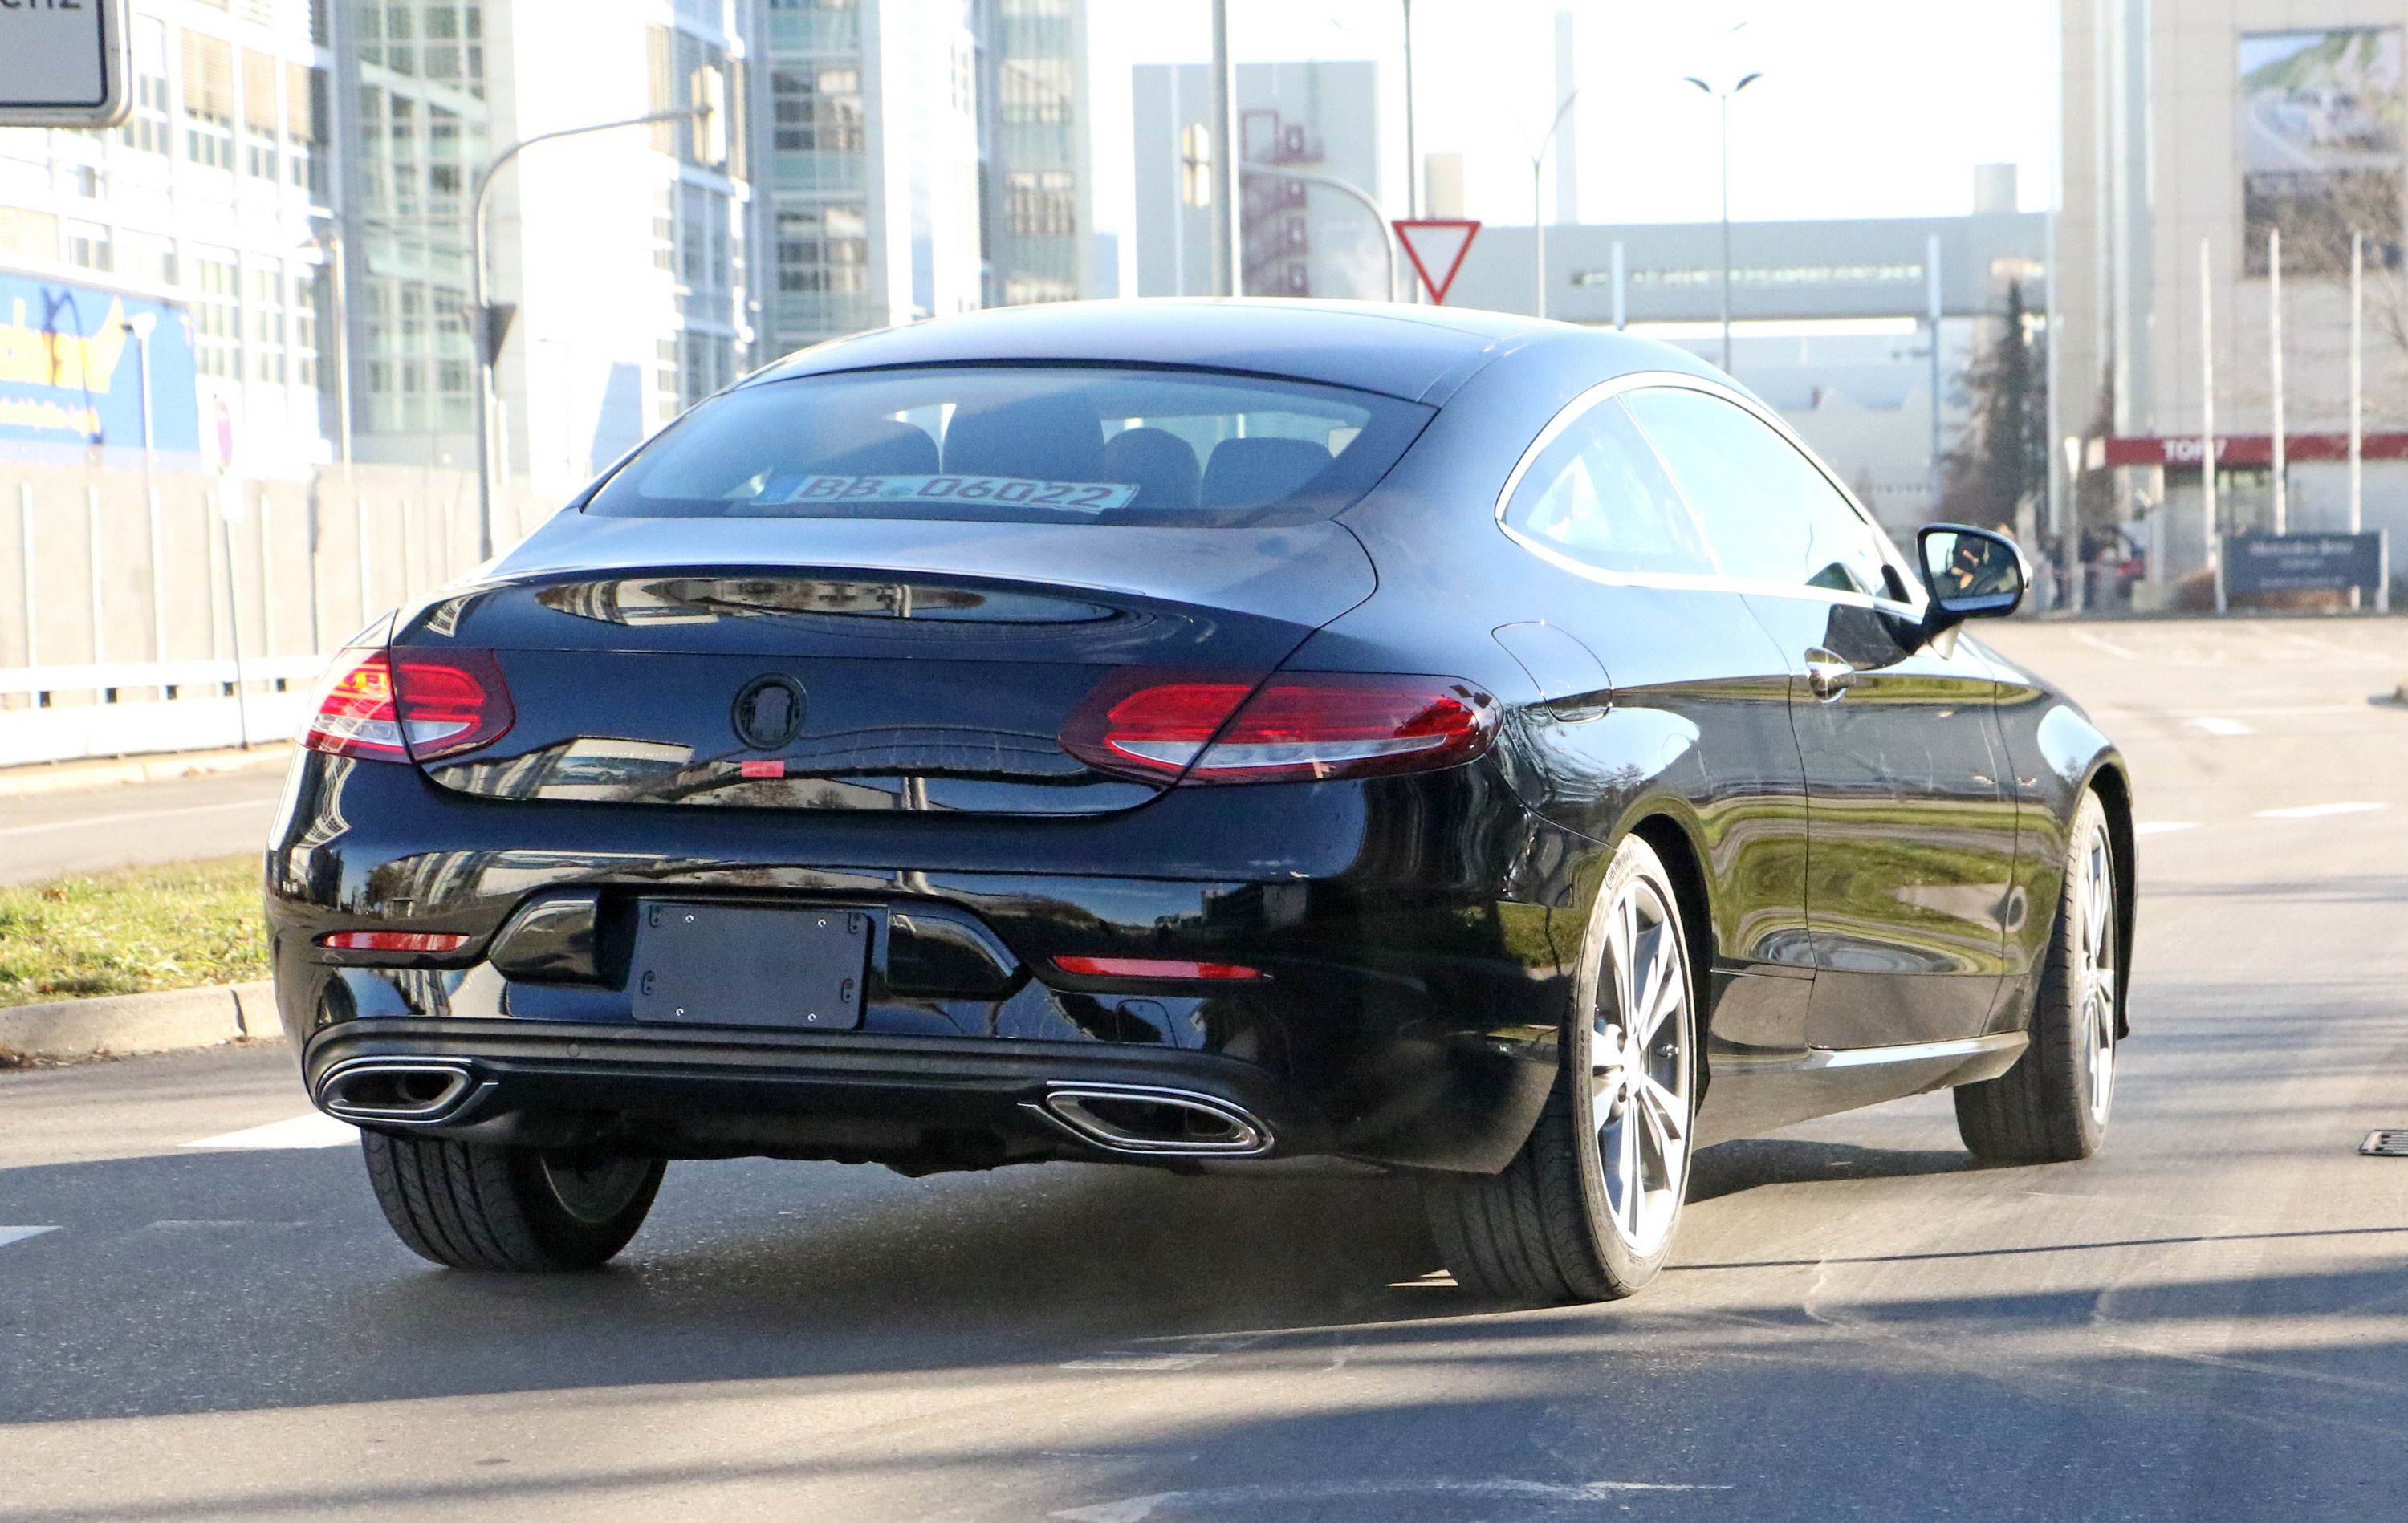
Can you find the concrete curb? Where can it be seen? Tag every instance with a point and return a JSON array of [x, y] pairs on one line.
[[64, 777], [175, 1021]]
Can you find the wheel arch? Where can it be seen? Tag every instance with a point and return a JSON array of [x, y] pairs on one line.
[[1675, 845]]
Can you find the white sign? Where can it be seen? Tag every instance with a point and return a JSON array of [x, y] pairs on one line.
[[64, 64]]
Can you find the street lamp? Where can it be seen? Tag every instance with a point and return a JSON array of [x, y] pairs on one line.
[[490, 322], [1723, 99], [1538, 214]]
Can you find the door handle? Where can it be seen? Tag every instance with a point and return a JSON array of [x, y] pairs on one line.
[[1828, 674]]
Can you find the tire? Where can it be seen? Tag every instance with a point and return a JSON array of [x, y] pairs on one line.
[[474, 1205], [2052, 1108], [1563, 1220]]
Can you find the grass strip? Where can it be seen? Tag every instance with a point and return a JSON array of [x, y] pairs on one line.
[[176, 925]]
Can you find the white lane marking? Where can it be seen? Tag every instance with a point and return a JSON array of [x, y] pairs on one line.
[[128, 819], [2222, 726], [311, 1130], [2317, 811], [2164, 827], [19, 1234], [2095, 643], [1138, 1509]]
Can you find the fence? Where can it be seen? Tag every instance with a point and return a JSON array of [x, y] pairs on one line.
[[125, 609]]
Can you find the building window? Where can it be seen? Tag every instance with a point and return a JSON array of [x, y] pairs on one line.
[[146, 256], [216, 294], [88, 246], [816, 110], [267, 325], [208, 101], [826, 250], [261, 116], [148, 131], [1041, 203]]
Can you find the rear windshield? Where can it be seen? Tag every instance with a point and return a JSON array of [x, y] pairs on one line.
[[1031, 444]]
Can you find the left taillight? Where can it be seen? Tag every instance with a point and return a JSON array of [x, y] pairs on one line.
[[396, 705]]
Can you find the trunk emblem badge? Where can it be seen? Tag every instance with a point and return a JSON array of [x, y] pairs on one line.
[[767, 711]]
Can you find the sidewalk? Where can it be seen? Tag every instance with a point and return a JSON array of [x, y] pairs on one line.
[[64, 777]]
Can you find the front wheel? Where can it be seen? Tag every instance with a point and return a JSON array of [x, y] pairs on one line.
[[2052, 1107], [1586, 1210], [476, 1205]]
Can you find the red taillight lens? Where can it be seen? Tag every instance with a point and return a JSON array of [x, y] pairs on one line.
[[1297, 725], [391, 707], [1152, 967], [392, 941]]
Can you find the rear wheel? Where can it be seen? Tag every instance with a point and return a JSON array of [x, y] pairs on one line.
[[2052, 1106], [475, 1205], [1586, 1210]]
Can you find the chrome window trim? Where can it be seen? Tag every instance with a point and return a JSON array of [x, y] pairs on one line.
[[1579, 406]]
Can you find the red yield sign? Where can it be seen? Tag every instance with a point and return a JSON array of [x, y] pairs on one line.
[[1436, 243]]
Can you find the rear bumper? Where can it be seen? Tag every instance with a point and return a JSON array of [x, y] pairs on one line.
[[916, 1103], [1407, 1017]]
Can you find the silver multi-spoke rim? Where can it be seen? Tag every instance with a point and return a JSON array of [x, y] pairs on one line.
[[2094, 970], [1639, 1069]]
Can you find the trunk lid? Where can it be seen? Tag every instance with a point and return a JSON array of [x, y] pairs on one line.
[[838, 664]]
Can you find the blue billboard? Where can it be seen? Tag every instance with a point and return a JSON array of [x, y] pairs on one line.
[[71, 373]]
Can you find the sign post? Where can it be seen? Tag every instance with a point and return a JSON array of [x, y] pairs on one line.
[[66, 65], [1436, 243]]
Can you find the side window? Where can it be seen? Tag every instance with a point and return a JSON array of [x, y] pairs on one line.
[[1598, 494], [1770, 516]]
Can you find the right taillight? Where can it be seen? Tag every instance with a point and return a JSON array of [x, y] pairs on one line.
[[391, 707], [1297, 725]]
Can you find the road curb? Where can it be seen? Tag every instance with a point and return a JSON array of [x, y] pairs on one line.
[[64, 777], [115, 1025]]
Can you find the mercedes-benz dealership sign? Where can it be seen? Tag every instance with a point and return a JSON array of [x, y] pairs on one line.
[[64, 64]]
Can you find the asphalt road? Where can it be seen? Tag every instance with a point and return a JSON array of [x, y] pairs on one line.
[[48, 835], [2209, 1322]]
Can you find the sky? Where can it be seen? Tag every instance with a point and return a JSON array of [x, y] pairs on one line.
[[1866, 108]]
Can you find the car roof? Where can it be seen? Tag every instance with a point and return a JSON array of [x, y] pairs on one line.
[[1419, 353]]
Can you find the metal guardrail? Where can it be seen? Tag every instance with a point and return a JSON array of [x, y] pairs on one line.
[[202, 675]]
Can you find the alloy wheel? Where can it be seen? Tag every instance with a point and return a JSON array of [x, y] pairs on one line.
[[1639, 1072]]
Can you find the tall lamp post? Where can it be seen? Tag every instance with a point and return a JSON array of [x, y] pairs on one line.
[[1538, 202], [1723, 100], [489, 322]]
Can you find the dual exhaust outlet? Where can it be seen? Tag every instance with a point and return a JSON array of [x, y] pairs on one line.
[[394, 1090], [1144, 1120], [1134, 1120]]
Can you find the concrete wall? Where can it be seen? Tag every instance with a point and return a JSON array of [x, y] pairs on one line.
[[89, 575]]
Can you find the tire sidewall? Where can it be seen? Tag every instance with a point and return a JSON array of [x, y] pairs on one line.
[[2059, 1014]]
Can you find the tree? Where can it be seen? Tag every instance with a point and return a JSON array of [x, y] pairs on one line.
[[2002, 456]]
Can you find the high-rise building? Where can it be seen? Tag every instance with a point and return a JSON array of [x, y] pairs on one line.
[[1055, 121], [212, 199], [625, 253], [868, 134]]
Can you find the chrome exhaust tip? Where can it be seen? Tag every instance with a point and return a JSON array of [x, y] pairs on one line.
[[1143, 1120], [394, 1089]]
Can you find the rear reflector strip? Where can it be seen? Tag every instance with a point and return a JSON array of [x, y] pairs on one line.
[[392, 941], [1152, 967]]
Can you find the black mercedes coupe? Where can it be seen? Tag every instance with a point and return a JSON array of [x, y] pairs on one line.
[[1199, 734]]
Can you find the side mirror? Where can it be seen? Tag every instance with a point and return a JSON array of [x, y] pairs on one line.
[[1972, 574]]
